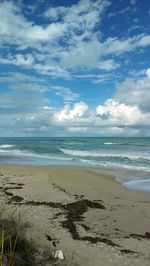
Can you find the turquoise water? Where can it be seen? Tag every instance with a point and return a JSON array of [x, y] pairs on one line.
[[113, 153]]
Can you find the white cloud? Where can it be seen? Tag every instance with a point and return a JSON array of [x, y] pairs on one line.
[[52, 70], [144, 41], [16, 29], [148, 73], [138, 73], [24, 60], [18, 60], [83, 54], [23, 94], [105, 77], [17, 77], [28, 107], [135, 92], [51, 32], [83, 15], [111, 114], [21, 102], [114, 45], [119, 113], [69, 40], [78, 129], [112, 118], [66, 93], [108, 65], [69, 114], [28, 61]]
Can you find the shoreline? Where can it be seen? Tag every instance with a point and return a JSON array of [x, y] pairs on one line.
[[94, 217], [120, 175]]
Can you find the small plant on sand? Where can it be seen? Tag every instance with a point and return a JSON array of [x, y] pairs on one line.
[[9, 233], [13, 247], [8, 245]]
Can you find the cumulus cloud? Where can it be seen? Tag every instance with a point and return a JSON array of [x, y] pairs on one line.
[[119, 114], [111, 118], [79, 111], [70, 42], [111, 114]]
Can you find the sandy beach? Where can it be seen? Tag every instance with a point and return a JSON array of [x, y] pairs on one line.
[[91, 218]]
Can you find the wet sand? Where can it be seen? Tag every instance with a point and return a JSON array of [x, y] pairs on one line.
[[91, 218]]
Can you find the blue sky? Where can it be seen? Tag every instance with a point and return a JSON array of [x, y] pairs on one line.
[[75, 68]]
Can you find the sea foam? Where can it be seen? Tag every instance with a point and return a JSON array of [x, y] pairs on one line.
[[83, 153], [6, 146]]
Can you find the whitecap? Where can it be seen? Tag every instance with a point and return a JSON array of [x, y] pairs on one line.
[[106, 155], [110, 143], [6, 146]]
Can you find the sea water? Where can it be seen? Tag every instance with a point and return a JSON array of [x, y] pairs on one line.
[[129, 158]]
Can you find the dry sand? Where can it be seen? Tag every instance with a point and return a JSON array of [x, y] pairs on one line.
[[95, 220]]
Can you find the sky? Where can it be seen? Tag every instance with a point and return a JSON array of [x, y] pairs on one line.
[[74, 68]]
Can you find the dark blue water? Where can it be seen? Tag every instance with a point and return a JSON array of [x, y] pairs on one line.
[[126, 153]]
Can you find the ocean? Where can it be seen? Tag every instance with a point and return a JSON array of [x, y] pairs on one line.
[[128, 158]]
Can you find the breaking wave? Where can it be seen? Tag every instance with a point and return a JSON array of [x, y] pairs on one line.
[[106, 155], [6, 146]]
